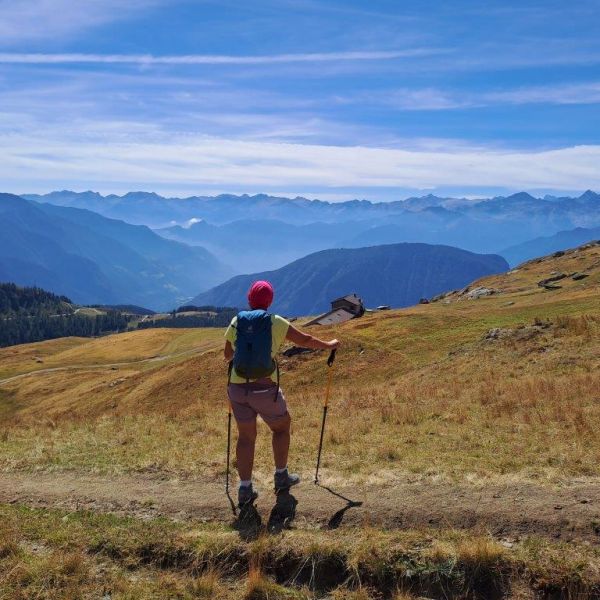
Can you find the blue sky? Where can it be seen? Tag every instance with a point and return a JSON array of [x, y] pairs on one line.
[[336, 99]]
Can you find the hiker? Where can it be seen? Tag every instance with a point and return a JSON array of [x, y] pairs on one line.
[[252, 341]]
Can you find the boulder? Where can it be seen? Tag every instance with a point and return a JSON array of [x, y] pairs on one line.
[[480, 292], [497, 333], [556, 277], [579, 276]]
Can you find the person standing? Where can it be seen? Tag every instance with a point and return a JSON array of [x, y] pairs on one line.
[[252, 341]]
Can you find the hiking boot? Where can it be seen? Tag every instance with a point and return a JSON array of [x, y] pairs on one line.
[[285, 480], [246, 495]]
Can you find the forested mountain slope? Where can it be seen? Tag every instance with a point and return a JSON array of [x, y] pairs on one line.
[[397, 274]]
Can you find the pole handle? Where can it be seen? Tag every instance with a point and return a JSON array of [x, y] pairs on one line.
[[331, 358]]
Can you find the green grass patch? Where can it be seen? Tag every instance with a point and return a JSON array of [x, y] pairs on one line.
[[70, 555]]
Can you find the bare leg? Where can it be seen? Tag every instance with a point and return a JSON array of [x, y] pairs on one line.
[[245, 449], [281, 440]]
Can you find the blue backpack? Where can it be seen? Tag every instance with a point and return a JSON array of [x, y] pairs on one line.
[[252, 356]]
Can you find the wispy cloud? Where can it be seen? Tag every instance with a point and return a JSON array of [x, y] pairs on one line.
[[411, 99], [574, 93], [434, 99], [111, 161], [211, 59], [26, 20]]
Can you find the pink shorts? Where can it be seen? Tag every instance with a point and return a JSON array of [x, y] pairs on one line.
[[256, 398]]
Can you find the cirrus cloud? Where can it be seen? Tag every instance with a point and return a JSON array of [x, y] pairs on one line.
[[211, 59], [26, 20]]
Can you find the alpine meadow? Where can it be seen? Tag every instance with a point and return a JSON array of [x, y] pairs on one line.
[[299, 300]]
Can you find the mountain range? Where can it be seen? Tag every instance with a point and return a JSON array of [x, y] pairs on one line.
[[93, 259], [157, 211], [397, 275], [81, 244], [265, 232]]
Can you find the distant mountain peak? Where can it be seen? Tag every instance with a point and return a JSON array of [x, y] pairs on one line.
[[589, 195], [86, 194], [140, 194], [520, 196]]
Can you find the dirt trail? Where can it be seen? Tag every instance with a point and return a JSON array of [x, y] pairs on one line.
[[567, 513], [113, 365]]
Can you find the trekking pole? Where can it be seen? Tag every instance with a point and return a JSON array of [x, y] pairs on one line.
[[330, 361], [351, 503], [228, 454]]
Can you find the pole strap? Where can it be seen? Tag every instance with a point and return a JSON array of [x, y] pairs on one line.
[[351, 503]]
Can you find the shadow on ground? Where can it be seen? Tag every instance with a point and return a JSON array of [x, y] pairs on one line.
[[248, 523], [283, 513]]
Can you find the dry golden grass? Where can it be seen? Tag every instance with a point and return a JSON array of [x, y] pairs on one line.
[[132, 347], [418, 392], [30, 357], [524, 407], [346, 594]]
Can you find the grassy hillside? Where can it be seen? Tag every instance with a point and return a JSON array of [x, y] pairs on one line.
[[426, 390], [498, 391]]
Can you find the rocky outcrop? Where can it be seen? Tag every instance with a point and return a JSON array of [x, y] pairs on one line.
[[548, 282], [519, 333], [579, 276], [479, 292]]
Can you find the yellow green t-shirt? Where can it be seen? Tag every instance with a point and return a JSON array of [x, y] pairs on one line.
[[279, 329]]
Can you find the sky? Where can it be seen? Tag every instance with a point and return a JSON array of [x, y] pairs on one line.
[[324, 99]]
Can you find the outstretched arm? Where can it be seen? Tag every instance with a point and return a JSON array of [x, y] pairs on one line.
[[308, 341]]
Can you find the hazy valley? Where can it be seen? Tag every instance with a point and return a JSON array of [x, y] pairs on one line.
[[113, 257]]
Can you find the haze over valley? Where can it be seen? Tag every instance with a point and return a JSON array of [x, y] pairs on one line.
[[59, 242], [254, 233]]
